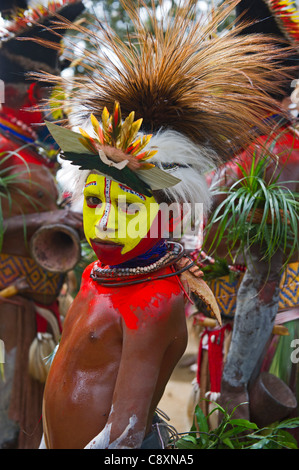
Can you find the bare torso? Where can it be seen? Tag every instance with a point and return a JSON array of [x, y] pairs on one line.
[[118, 349]]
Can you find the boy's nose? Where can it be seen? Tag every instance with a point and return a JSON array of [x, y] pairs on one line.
[[103, 222], [107, 222]]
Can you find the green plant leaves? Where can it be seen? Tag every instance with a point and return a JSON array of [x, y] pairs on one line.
[[236, 433], [252, 196], [91, 162], [141, 180]]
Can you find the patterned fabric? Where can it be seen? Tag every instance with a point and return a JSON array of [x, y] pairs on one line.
[[289, 285], [225, 291], [39, 280]]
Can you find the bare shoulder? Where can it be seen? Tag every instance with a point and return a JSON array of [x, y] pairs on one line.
[[86, 281], [153, 304], [139, 304]]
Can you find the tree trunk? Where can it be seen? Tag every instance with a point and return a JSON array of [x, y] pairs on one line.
[[257, 306]]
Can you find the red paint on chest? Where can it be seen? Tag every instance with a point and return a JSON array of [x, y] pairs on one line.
[[152, 298]]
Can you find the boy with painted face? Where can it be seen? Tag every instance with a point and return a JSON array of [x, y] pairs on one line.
[[130, 305], [126, 330], [108, 328]]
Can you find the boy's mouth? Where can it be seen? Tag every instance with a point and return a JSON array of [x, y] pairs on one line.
[[105, 241]]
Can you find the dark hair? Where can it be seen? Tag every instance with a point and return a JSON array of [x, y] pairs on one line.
[[18, 57], [262, 21], [8, 6]]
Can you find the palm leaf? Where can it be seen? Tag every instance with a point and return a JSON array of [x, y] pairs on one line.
[[93, 162], [278, 227]]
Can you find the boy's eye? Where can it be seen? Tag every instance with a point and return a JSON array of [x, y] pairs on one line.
[[93, 201], [130, 208]]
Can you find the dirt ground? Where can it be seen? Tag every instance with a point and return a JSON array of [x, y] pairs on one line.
[[178, 390]]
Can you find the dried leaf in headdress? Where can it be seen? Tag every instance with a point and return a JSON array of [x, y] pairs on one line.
[[92, 160]]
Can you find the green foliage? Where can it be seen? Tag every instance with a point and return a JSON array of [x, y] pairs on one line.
[[114, 14], [111, 12], [236, 215], [219, 268], [87, 257], [236, 433], [228, 22], [281, 366], [118, 18], [7, 183]]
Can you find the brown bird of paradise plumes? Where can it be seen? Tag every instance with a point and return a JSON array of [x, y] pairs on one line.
[[202, 95]]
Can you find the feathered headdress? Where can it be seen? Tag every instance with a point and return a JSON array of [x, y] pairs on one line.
[[200, 95], [23, 22]]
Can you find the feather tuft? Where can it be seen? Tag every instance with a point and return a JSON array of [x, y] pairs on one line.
[[186, 82]]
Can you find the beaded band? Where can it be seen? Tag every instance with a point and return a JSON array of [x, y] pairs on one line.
[[103, 275]]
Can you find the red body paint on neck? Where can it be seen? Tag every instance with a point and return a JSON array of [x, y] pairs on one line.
[[151, 298]]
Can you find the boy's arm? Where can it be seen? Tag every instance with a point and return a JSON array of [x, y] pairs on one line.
[[143, 352]]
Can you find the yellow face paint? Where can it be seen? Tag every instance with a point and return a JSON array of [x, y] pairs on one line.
[[116, 218]]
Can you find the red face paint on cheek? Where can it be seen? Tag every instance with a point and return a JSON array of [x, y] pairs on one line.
[[111, 254]]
